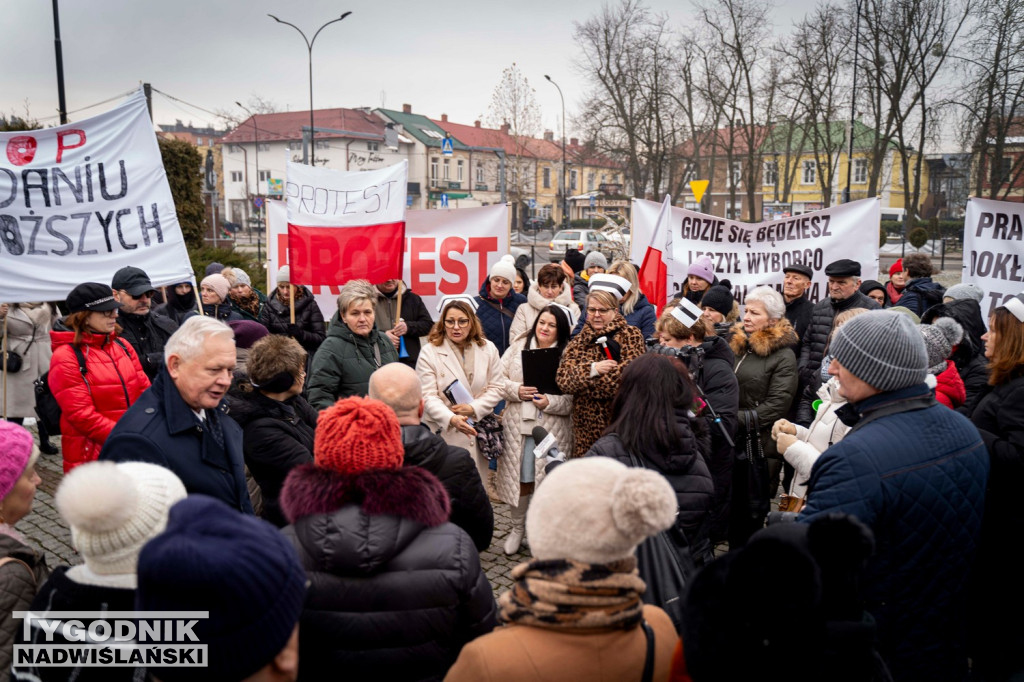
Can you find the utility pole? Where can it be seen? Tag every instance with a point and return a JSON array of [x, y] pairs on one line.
[[61, 100]]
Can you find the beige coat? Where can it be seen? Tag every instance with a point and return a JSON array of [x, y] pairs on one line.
[[22, 322], [437, 367], [521, 653], [527, 314], [518, 421]]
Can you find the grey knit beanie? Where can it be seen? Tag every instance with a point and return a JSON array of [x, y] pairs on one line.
[[939, 339], [882, 348], [965, 290], [595, 258]]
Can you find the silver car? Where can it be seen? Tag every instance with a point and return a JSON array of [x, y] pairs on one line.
[[583, 241]]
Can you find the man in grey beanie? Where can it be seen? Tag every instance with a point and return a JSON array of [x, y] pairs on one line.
[[915, 472]]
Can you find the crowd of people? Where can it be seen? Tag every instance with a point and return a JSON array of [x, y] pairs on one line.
[[324, 490]]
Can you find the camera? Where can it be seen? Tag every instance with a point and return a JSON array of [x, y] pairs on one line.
[[686, 353]]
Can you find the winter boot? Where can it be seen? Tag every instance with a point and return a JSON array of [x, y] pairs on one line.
[[518, 532]]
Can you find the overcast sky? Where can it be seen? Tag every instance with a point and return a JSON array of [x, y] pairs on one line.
[[444, 56]]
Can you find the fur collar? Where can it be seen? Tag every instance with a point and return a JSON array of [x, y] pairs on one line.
[[538, 302], [764, 342], [410, 493]]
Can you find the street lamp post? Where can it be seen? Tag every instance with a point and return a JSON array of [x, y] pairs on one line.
[[565, 184], [853, 108], [309, 49], [256, 137]]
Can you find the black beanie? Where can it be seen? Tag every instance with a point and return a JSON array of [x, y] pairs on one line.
[[575, 259], [718, 298]]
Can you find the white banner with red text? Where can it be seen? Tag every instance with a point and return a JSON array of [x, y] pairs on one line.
[[80, 201], [445, 252], [753, 254], [994, 250], [345, 224]]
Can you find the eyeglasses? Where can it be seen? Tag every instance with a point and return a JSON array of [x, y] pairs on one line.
[[450, 323], [598, 311], [109, 313]]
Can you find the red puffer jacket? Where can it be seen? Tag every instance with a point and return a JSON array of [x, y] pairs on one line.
[[949, 388], [90, 406]]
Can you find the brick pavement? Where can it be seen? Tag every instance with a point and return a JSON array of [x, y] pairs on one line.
[[45, 529]]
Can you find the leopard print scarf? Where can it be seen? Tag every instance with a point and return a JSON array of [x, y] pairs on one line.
[[572, 595], [250, 303]]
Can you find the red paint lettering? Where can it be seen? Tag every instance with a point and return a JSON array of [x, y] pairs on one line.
[[452, 266], [420, 266], [21, 149], [61, 146], [483, 246]]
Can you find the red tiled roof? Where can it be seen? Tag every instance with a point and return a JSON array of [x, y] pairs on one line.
[[288, 125], [493, 138], [738, 133]]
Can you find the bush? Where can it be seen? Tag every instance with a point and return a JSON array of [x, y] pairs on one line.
[[205, 255], [946, 228], [917, 237], [585, 223], [883, 237]]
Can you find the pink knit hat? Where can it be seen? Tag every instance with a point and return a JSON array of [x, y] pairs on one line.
[[218, 283], [17, 451], [703, 268]]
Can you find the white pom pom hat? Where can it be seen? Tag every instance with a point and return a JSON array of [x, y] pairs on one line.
[[114, 509], [597, 510]]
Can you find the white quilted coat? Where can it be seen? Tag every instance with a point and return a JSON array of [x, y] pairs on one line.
[[518, 421], [527, 314], [825, 430]]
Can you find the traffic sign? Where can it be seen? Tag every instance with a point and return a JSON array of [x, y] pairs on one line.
[[444, 201], [257, 202], [532, 203], [447, 148], [593, 201]]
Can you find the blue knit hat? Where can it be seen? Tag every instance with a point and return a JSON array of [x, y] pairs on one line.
[[239, 568]]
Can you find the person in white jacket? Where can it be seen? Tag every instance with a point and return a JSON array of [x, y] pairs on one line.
[[527, 408], [801, 446], [550, 287]]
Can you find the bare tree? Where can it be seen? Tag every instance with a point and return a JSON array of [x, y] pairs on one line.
[[514, 104], [993, 59]]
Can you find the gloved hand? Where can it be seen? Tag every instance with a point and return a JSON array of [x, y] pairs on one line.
[[782, 426], [293, 330], [784, 441]]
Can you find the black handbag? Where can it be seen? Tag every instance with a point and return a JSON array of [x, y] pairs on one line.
[[14, 362], [756, 469], [664, 569]]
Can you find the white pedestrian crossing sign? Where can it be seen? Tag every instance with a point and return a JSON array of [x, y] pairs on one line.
[[446, 147], [444, 201]]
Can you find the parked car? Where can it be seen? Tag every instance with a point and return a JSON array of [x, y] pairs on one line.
[[534, 224], [583, 241]]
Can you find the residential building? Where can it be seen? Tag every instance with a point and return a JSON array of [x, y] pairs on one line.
[[207, 142], [256, 151], [721, 158]]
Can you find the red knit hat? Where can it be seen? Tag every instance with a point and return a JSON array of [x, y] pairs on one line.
[[358, 434], [896, 267]]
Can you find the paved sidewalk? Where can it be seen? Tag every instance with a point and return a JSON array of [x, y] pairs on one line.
[[45, 529]]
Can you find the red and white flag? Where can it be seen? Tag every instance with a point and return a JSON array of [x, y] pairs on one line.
[[653, 273], [345, 225]]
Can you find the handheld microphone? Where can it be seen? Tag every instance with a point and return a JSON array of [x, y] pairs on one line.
[[603, 342], [547, 447]]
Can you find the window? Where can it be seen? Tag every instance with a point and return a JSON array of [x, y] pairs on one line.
[[373, 146], [447, 169], [199, 142], [771, 173], [591, 179], [810, 173], [234, 149], [572, 180], [263, 146], [459, 168], [479, 172], [688, 175], [860, 171], [547, 177], [433, 168], [432, 133], [737, 173], [1005, 166], [264, 175], [323, 144], [294, 145], [236, 176]]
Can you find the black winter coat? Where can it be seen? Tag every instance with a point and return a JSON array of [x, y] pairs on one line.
[[417, 320], [454, 467], [921, 294], [225, 312], [580, 291], [61, 593], [997, 595], [147, 334], [492, 315], [813, 343], [160, 428], [395, 589], [686, 469], [177, 307], [309, 329], [276, 437], [722, 391], [798, 312]]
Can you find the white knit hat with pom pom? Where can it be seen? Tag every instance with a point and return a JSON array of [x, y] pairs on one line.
[[114, 509], [597, 510]]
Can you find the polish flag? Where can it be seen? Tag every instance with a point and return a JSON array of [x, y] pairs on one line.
[[345, 225], [653, 273]]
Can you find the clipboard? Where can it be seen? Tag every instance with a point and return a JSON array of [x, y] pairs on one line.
[[540, 366], [458, 394]]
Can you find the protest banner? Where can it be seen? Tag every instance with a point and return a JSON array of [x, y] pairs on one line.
[[445, 252], [82, 200], [994, 250], [753, 254], [345, 225]]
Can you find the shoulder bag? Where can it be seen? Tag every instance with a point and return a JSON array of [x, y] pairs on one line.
[[663, 568], [756, 468]]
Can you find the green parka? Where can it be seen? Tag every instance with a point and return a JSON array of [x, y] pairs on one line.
[[344, 362]]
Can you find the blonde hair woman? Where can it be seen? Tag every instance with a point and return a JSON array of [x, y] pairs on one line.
[[634, 306]]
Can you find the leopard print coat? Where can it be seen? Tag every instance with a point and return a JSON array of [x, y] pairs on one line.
[[592, 396]]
